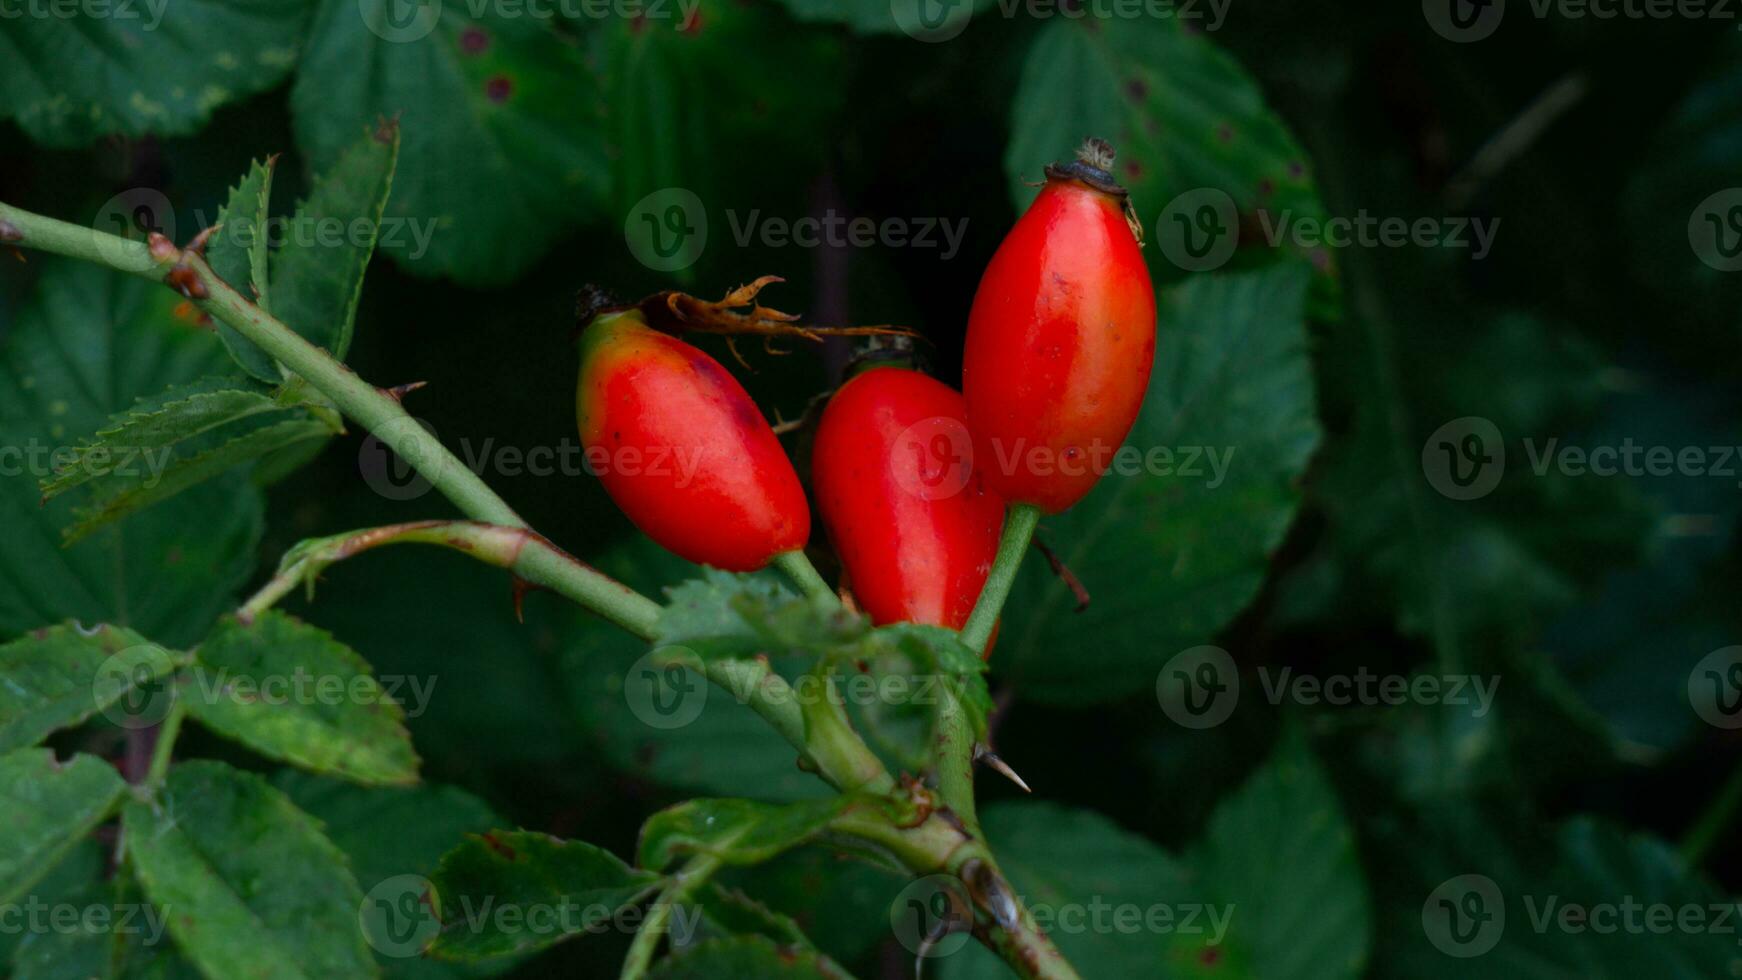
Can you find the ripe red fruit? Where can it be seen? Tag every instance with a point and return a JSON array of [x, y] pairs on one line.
[[683, 450], [1060, 339], [915, 527]]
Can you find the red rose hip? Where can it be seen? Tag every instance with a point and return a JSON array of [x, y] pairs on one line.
[[683, 450]]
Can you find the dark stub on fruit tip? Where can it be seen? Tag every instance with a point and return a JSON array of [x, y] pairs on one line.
[[1093, 166], [591, 301], [884, 351]]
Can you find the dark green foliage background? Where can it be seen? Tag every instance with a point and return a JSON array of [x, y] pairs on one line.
[[1591, 320]]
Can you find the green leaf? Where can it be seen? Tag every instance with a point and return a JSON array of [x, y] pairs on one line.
[[290, 691], [395, 838], [502, 150], [255, 888], [884, 17], [49, 807], [735, 831], [57, 677], [728, 912], [238, 254], [191, 471], [147, 68], [487, 887], [1282, 854], [1181, 113], [317, 279], [842, 906], [116, 936], [87, 345], [727, 616], [1172, 550], [746, 958]]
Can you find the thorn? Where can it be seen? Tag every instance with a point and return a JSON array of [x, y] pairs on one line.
[[1064, 573], [18, 254], [990, 758], [398, 392], [161, 248], [523, 588], [198, 245]]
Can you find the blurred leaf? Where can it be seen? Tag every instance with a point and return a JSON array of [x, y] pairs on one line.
[[501, 116], [255, 888], [910, 17], [746, 958], [841, 903], [238, 254], [50, 806], [88, 345], [1281, 853], [727, 912], [59, 676], [269, 685], [734, 831], [515, 872], [1183, 117], [77, 872], [116, 936], [317, 277], [1170, 559], [145, 68]]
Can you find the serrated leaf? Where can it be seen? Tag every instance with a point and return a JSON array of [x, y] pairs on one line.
[[238, 254], [516, 872], [317, 279], [502, 149], [1182, 114], [88, 344], [255, 888], [271, 686], [734, 831], [57, 677], [1172, 549], [147, 433], [746, 958], [147, 68], [1281, 853], [725, 616], [729, 912], [191, 471], [48, 807]]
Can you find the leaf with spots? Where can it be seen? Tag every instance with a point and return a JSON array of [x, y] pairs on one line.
[[151, 67], [524, 870], [1183, 115], [48, 807], [256, 889], [502, 117], [292, 692], [88, 344]]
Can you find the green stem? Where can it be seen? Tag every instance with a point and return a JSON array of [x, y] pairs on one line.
[[520, 550], [691, 876], [804, 575], [367, 405], [167, 733], [1019, 527], [954, 758]]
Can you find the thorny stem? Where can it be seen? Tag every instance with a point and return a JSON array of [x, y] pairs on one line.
[[520, 550], [1018, 531], [938, 844], [955, 760]]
